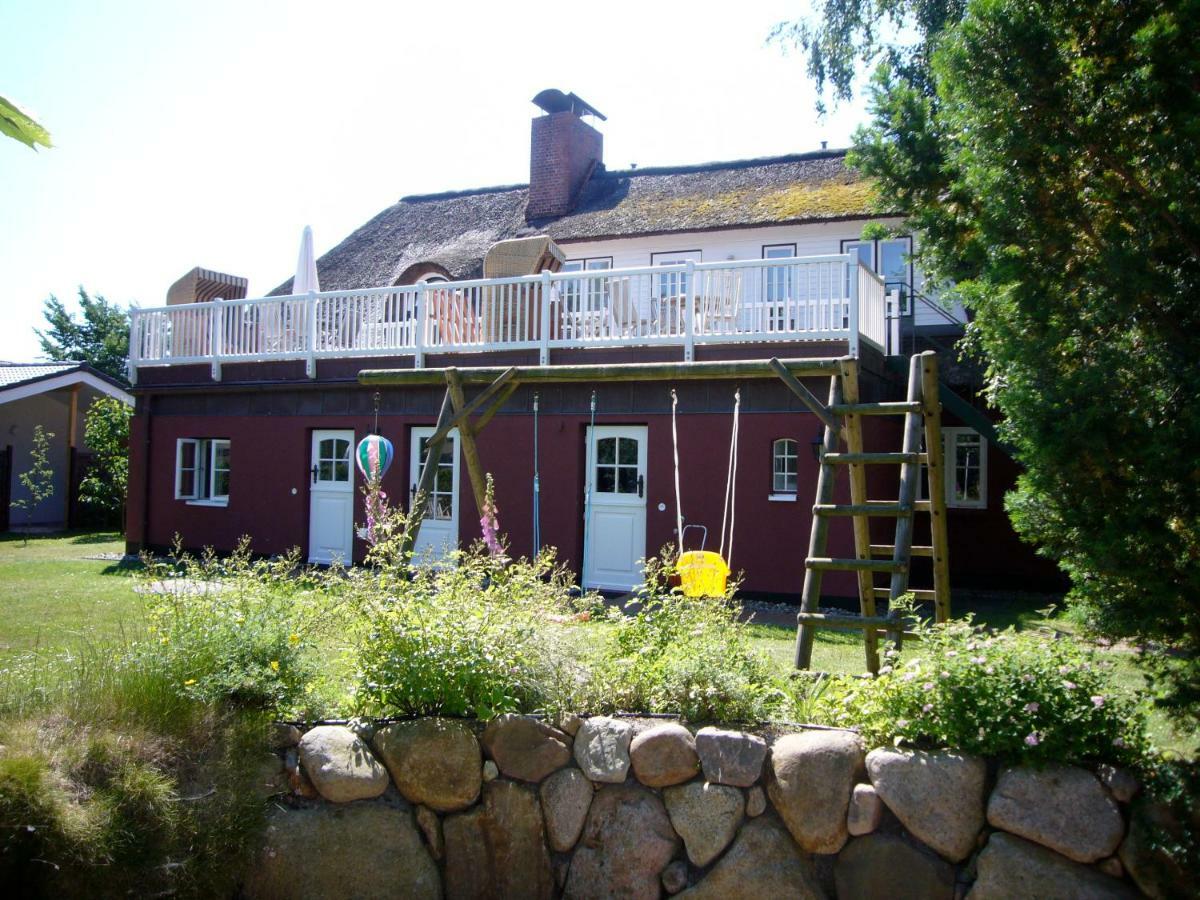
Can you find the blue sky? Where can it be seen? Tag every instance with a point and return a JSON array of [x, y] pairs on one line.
[[211, 133]]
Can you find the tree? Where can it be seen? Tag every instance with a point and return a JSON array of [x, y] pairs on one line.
[[38, 479], [20, 126], [106, 432], [101, 339], [1047, 153]]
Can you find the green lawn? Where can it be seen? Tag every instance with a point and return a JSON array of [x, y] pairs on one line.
[[52, 595]]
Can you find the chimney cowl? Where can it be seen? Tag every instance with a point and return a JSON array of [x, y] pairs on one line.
[[553, 100]]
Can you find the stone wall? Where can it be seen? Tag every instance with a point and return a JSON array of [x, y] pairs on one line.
[[614, 807]]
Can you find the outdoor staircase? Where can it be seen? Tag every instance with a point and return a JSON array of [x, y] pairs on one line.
[[921, 411]]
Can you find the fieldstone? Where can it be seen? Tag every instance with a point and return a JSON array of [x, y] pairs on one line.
[[1111, 867], [361, 850], [1010, 866], [887, 867], [1064, 808], [764, 861], [866, 810], [270, 778], [809, 779], [566, 797], [291, 760], [571, 724], [674, 877], [364, 728], [602, 748], [340, 766], [435, 762], [525, 748], [1147, 857], [301, 785], [281, 735], [498, 849], [562, 867], [664, 755], [490, 771], [706, 816], [756, 802], [431, 827], [936, 796], [626, 844], [1121, 783], [730, 757]]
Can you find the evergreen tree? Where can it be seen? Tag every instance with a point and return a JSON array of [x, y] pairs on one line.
[[100, 339], [1046, 151]]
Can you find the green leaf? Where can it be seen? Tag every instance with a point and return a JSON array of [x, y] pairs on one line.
[[20, 126]]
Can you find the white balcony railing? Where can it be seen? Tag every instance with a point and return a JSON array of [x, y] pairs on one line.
[[815, 298]]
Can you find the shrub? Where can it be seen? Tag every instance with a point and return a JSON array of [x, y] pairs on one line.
[[232, 629], [685, 655], [477, 639], [1022, 697]]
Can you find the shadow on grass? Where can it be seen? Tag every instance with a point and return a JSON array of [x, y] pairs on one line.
[[94, 537], [124, 567]]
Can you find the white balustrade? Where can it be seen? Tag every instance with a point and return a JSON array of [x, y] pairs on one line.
[[800, 299]]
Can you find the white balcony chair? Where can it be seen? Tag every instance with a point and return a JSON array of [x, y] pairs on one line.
[[720, 302]]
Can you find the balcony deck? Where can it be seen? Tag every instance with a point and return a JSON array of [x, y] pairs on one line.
[[816, 306]]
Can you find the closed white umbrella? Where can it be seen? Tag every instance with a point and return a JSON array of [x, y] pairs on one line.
[[306, 266]]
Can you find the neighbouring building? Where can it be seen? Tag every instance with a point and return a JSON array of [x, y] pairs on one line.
[[57, 396], [247, 410]]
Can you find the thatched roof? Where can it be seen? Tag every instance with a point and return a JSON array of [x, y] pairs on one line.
[[455, 229]]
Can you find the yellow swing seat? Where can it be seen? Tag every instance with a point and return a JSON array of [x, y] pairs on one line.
[[702, 573]]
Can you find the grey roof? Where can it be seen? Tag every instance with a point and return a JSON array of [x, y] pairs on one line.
[[12, 374], [455, 229]]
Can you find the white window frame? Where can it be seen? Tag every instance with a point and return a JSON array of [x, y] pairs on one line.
[[661, 283], [597, 289], [949, 466], [950, 438], [204, 471], [784, 492], [851, 245]]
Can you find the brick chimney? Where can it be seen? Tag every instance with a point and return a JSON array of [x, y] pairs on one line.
[[564, 151]]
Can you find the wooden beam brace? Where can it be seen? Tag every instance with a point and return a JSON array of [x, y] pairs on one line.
[[496, 406], [932, 412], [460, 417], [806, 396], [433, 453], [467, 435]]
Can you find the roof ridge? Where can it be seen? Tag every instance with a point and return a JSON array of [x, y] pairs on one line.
[[712, 166]]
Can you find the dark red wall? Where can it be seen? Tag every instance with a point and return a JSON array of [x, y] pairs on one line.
[[270, 438]]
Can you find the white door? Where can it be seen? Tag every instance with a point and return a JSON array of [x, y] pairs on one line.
[[616, 527], [438, 536], [331, 497]]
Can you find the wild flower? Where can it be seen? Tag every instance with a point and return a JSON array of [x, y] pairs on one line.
[[1032, 707], [1032, 739], [1097, 701]]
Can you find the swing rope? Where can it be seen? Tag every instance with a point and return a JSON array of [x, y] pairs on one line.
[[731, 480], [727, 512], [675, 447], [587, 496], [537, 485]]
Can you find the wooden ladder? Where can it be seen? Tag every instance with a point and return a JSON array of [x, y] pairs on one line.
[[922, 417]]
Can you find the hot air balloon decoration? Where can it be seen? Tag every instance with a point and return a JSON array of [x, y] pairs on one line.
[[374, 455]]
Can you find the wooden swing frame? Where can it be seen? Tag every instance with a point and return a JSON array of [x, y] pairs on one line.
[[842, 417]]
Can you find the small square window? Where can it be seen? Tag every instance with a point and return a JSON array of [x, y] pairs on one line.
[[202, 470]]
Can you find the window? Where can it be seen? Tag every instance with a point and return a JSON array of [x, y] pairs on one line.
[[673, 285], [595, 290], [617, 466], [783, 466], [441, 497], [202, 470], [964, 457], [778, 280], [890, 259]]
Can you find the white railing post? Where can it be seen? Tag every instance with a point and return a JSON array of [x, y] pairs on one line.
[[691, 297], [136, 326], [216, 336], [419, 327], [544, 319], [893, 305], [310, 314], [852, 265]]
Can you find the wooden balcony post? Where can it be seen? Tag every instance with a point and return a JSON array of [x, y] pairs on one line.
[[420, 326], [544, 319], [691, 297], [852, 264], [310, 309]]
